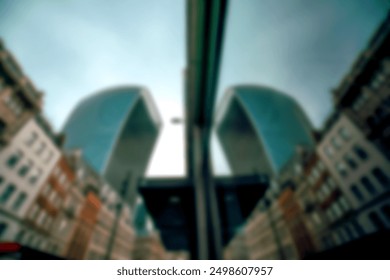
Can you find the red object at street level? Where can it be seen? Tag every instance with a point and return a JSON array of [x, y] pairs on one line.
[[8, 247]]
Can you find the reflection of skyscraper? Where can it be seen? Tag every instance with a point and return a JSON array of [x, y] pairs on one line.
[[116, 129], [259, 129]]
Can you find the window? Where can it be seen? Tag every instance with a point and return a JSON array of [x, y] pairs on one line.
[[3, 228], [361, 100], [357, 193], [360, 152], [14, 104], [35, 177], [31, 139], [7, 193], [49, 156], [344, 204], [329, 213], [329, 151], [336, 142], [326, 189], [25, 168], [40, 148], [48, 222], [41, 217], [344, 133], [342, 169], [358, 228], [368, 185], [336, 210], [14, 159], [376, 221], [350, 161], [316, 218], [378, 79], [34, 212], [381, 177], [19, 201], [63, 225]]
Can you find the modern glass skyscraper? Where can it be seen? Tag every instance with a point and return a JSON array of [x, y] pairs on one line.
[[116, 130], [259, 129]]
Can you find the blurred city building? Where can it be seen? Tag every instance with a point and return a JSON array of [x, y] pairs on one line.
[[55, 204], [364, 92], [172, 205], [25, 165], [331, 200], [116, 129], [259, 129], [20, 100], [361, 171], [295, 193]]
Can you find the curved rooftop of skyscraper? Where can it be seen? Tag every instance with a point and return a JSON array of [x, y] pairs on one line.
[[116, 130], [259, 128]]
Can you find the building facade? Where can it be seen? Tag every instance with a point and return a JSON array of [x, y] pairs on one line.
[[364, 92], [116, 129], [259, 129], [25, 164], [19, 99], [360, 169]]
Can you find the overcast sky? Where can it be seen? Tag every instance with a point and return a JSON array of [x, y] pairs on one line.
[[71, 49]]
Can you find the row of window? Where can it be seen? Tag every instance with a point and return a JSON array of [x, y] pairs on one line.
[[337, 209], [378, 79], [36, 242], [350, 162], [15, 104], [380, 114], [41, 147], [347, 232], [8, 193], [41, 217], [316, 172], [61, 177], [52, 195], [381, 75], [376, 220], [371, 188], [26, 168], [343, 135], [326, 188]]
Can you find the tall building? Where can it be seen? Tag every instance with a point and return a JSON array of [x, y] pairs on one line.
[[364, 92], [361, 171], [48, 228], [19, 100], [116, 129], [25, 164], [259, 129]]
